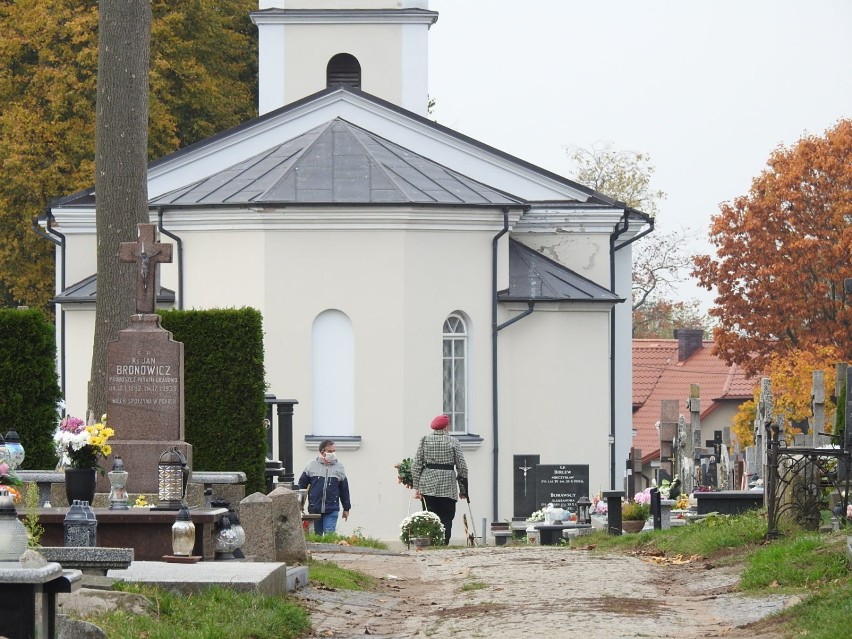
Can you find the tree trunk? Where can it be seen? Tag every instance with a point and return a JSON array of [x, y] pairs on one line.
[[121, 163]]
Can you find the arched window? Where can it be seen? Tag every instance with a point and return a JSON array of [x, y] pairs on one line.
[[333, 374], [455, 372], [343, 69]]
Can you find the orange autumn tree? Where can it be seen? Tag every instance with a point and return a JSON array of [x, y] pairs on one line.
[[782, 254], [792, 386]]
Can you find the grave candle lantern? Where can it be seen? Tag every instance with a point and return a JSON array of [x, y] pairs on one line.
[[183, 534], [5, 458], [13, 534], [226, 540], [80, 525], [584, 515], [117, 486], [15, 449], [170, 482]]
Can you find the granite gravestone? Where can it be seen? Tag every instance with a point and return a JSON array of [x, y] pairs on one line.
[[561, 485], [524, 484], [145, 375]]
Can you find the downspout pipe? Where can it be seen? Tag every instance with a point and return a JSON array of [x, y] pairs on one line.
[[57, 239], [495, 429], [179, 243], [621, 227]]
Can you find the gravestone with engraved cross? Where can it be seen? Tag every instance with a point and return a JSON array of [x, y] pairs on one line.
[[145, 374]]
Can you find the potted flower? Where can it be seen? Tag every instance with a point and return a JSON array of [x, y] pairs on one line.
[[633, 515], [423, 524], [80, 448]]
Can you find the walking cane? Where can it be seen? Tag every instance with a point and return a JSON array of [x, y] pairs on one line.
[[472, 525]]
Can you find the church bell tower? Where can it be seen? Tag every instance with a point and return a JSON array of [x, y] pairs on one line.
[[377, 46]]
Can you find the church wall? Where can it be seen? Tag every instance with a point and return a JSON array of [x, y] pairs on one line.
[[584, 253], [396, 288], [554, 389], [79, 330], [81, 250], [313, 46]]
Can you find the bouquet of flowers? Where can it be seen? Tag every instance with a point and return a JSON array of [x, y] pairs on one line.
[[10, 481], [536, 516], [423, 523], [403, 472], [80, 446], [599, 506]]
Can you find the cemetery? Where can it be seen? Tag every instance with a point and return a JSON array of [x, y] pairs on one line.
[[204, 527], [186, 481]]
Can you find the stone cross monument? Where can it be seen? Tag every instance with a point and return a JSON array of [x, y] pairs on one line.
[[145, 375]]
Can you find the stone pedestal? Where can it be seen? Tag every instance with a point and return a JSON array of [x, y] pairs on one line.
[[666, 506], [28, 597]]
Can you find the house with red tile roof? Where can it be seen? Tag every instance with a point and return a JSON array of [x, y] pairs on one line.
[[664, 369]]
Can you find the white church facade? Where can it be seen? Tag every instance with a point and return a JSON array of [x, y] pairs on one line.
[[402, 269]]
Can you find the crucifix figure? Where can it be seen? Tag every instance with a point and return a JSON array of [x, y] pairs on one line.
[[147, 252], [525, 468]]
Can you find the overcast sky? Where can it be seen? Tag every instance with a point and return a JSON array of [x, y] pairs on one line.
[[708, 88]]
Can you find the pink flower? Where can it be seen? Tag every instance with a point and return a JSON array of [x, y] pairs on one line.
[[4, 468], [73, 425], [849, 511]]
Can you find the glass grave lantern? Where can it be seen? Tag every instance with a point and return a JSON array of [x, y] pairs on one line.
[[225, 542], [183, 534], [13, 533], [15, 449], [172, 475], [118, 486], [584, 515]]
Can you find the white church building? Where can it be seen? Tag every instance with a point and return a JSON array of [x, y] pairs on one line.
[[402, 269]]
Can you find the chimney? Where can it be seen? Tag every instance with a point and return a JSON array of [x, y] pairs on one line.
[[689, 340]]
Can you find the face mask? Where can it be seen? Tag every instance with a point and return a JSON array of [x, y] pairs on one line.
[[330, 457]]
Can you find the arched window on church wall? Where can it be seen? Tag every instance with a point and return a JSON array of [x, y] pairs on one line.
[[455, 371]]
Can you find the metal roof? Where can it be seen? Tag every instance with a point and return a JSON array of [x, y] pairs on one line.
[[535, 277], [86, 291], [336, 162]]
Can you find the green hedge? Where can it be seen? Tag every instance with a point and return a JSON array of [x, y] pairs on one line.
[[224, 389], [29, 386]]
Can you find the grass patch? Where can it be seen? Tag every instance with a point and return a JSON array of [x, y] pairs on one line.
[[355, 539], [215, 613], [330, 575], [808, 560], [474, 585]]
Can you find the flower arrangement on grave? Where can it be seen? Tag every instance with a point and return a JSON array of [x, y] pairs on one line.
[[403, 472], [82, 446], [10, 481], [423, 523], [599, 506], [682, 502], [141, 502], [538, 515], [637, 509]]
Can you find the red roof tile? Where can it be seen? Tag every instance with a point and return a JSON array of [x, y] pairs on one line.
[[658, 375]]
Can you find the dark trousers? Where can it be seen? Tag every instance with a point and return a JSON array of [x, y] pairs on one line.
[[445, 508]]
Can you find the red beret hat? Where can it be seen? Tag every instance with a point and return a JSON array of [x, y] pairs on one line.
[[441, 421]]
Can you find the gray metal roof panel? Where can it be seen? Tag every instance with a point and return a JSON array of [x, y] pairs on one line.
[[336, 162], [535, 277], [86, 291]]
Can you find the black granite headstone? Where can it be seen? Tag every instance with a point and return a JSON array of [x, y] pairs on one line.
[[561, 485], [523, 476]]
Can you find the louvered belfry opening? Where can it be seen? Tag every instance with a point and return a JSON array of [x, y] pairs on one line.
[[343, 69]]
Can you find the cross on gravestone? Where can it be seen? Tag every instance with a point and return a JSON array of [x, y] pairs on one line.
[[147, 252]]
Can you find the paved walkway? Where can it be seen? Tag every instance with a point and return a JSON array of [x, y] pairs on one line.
[[515, 592]]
